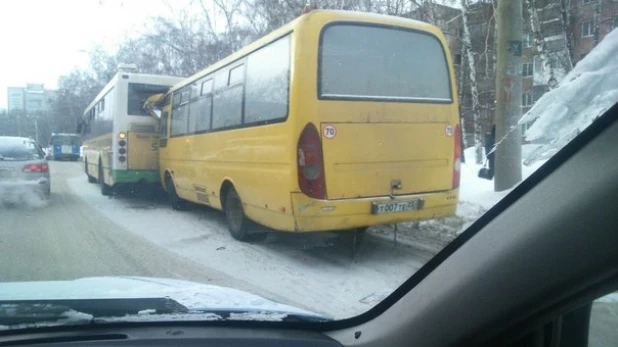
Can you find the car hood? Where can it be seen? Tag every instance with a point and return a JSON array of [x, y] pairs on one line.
[[195, 297]]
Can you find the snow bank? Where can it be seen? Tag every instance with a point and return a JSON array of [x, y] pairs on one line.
[[477, 195], [583, 95], [480, 191], [609, 298]]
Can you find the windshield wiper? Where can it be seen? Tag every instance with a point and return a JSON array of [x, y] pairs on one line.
[[24, 313], [15, 312]]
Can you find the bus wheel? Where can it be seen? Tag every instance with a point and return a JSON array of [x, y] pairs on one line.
[[106, 190], [237, 223], [177, 202], [90, 178]]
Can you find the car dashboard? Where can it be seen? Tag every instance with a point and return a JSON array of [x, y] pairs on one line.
[[166, 335]]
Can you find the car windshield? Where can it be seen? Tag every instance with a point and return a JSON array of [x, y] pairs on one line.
[[273, 159]]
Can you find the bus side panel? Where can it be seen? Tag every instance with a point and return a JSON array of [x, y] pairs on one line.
[[96, 150], [143, 151], [164, 163], [182, 170], [256, 160]]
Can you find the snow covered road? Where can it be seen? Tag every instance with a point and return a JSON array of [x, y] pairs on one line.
[[312, 271], [139, 234]]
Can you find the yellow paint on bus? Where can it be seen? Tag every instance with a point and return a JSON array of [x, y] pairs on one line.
[[338, 120]]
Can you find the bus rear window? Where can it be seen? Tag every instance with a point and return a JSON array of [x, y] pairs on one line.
[[138, 93], [366, 62], [15, 152], [65, 141]]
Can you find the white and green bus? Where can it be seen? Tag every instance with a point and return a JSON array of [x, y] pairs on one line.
[[120, 138]]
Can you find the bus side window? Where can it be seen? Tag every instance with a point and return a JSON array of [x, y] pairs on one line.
[[180, 112], [267, 83], [200, 110], [164, 120], [163, 131], [227, 108]]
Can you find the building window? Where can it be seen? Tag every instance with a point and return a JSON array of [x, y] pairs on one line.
[[583, 2], [528, 40], [527, 69], [587, 29], [526, 99], [457, 59]]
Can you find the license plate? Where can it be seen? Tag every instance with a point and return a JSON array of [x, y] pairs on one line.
[[396, 206]]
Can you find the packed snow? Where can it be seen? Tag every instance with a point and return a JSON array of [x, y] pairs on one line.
[[194, 296], [611, 298], [584, 94], [315, 271]]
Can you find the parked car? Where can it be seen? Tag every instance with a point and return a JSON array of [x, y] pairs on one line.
[[24, 171]]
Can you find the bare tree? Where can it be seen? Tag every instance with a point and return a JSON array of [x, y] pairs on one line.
[[566, 7], [596, 20], [539, 42], [470, 59]]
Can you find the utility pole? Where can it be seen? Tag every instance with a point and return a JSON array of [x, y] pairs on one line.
[[508, 94], [18, 125], [36, 130]]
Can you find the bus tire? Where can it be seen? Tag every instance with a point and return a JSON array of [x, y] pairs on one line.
[[238, 224], [90, 178], [106, 190], [177, 202]]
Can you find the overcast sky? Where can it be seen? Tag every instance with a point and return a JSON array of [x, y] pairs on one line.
[[42, 39]]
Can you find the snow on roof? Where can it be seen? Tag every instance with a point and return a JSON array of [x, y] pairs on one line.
[[584, 94]]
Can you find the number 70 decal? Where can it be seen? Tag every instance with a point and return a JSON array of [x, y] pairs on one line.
[[329, 131]]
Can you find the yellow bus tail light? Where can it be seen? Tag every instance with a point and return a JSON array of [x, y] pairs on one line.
[[310, 163]]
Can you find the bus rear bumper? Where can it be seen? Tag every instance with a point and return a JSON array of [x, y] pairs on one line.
[[326, 215], [65, 156], [135, 176]]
